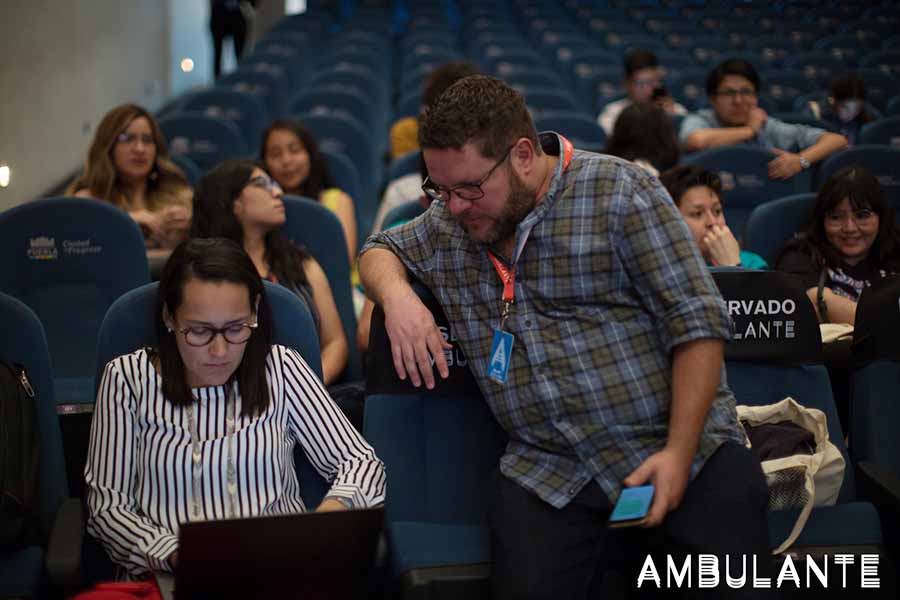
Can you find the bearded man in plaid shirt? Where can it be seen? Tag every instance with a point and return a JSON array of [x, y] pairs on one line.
[[594, 331]]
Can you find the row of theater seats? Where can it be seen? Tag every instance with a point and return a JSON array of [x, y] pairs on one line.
[[561, 56], [68, 259], [441, 447]]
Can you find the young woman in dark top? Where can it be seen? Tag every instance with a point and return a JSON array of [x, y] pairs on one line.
[[239, 201], [850, 242]]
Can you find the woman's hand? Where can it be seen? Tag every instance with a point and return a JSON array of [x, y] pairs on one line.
[[331, 505], [150, 223], [721, 247]]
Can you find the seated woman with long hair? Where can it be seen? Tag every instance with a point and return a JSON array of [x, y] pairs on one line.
[[239, 201], [850, 242], [291, 155], [697, 194], [128, 165], [204, 426]]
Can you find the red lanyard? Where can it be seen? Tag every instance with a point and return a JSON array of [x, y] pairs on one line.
[[508, 274]]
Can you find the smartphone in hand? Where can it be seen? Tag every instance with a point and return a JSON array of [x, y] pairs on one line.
[[632, 506]]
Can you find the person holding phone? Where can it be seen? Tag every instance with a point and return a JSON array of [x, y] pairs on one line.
[[643, 83], [596, 334]]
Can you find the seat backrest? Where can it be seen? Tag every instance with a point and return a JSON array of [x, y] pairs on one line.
[[68, 259], [129, 325], [440, 446], [316, 229], [267, 86], [881, 160], [744, 172], [347, 135], [772, 224], [246, 111], [204, 139], [776, 349], [884, 131], [332, 98], [23, 341], [188, 167], [583, 131]]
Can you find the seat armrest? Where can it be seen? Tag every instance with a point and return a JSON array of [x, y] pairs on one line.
[[878, 485], [63, 561], [882, 488]]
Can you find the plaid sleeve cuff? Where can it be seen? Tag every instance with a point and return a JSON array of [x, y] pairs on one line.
[[695, 318]]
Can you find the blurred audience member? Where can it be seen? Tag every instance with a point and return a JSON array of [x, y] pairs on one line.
[[644, 134], [845, 111], [128, 165], [643, 83], [697, 194], [736, 118], [290, 153], [850, 242], [239, 201]]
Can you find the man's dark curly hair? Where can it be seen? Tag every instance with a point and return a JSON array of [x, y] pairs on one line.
[[477, 109]]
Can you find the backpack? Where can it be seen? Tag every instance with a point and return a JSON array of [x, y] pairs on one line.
[[18, 459]]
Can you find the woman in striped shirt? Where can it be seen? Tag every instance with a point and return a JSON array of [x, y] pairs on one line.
[[204, 426]]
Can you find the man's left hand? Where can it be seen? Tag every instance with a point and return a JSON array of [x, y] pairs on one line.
[[785, 165], [668, 471]]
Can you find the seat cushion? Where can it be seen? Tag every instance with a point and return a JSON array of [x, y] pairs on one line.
[[419, 545], [20, 572], [850, 524]]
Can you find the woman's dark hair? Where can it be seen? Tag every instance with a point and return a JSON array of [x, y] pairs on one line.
[[638, 59], [680, 179], [319, 178], [849, 86], [213, 260], [861, 187], [644, 131], [214, 217]]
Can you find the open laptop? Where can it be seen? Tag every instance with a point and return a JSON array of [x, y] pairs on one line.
[[308, 555]]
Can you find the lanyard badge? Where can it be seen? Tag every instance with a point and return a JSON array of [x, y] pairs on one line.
[[501, 349]]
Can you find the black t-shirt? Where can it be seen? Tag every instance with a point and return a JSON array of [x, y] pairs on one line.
[[844, 280]]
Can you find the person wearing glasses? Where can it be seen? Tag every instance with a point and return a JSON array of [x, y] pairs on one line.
[[204, 425], [128, 165], [850, 242], [239, 201], [594, 331], [643, 83], [736, 118]]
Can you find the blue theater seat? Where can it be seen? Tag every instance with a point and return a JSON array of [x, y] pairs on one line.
[[772, 224], [765, 364], [204, 139], [68, 259], [441, 448], [316, 229], [51, 559]]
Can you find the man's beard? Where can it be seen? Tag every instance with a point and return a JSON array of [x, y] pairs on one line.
[[519, 202]]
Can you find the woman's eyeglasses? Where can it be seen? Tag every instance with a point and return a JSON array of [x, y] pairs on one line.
[[265, 182], [198, 336], [129, 139], [837, 218]]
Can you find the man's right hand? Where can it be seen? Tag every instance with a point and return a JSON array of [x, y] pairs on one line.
[[415, 338], [758, 118]]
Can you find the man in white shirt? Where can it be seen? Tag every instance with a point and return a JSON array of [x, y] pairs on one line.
[[642, 77]]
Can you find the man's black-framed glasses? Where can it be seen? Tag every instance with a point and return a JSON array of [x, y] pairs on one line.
[[467, 191], [202, 335]]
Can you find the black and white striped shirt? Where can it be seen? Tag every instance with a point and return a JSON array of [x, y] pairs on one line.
[[139, 464]]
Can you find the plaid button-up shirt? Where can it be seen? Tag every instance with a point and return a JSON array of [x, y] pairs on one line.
[[608, 283]]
